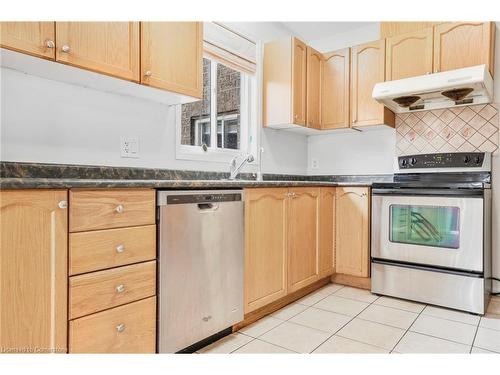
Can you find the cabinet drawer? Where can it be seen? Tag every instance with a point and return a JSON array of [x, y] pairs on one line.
[[125, 329], [102, 290], [102, 209], [97, 250]]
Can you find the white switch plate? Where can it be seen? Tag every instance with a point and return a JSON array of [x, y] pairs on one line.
[[129, 147], [314, 163]]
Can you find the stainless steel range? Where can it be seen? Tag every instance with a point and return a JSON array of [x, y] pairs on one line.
[[431, 231]]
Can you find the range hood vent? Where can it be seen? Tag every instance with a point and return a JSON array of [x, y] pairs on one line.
[[453, 88]]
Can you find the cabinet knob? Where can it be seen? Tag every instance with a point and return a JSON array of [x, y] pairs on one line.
[[148, 73], [120, 288], [119, 209], [120, 327], [63, 204], [120, 248], [49, 43], [65, 48]]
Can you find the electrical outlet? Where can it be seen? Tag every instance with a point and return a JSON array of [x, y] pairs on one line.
[[314, 163], [129, 147]]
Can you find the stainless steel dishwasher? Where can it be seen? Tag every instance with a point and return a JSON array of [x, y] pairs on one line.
[[201, 248]]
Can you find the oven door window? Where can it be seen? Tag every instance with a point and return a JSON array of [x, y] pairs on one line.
[[437, 226]]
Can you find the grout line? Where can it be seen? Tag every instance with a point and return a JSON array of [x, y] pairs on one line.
[[408, 329], [474, 339]]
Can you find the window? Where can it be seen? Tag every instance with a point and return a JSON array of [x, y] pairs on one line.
[[217, 126]]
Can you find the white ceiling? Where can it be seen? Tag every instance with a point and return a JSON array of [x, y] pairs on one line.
[[309, 31]]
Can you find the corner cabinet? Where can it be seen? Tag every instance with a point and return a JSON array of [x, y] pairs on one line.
[[367, 69], [172, 56], [33, 38], [352, 245], [33, 271]]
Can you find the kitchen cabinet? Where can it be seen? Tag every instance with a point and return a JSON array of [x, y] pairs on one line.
[[303, 227], [367, 69], [104, 47], [409, 55], [172, 56], [352, 245], [265, 246], [326, 259], [390, 29], [462, 44], [335, 81], [313, 92], [299, 88], [34, 38], [33, 271]]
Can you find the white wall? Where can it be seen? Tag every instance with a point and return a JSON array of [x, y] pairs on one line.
[[348, 39]]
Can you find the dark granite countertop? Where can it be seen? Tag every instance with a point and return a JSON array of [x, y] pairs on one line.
[[44, 176]]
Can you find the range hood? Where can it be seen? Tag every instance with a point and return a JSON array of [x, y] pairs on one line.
[[467, 86]]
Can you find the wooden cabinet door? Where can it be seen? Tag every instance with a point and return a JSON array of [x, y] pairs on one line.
[[299, 77], [172, 56], [368, 68], [104, 47], [34, 38], [326, 231], [265, 246], [352, 249], [409, 55], [33, 270], [335, 89], [313, 92], [303, 228], [462, 44]]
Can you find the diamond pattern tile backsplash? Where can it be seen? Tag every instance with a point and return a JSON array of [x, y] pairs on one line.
[[460, 129]]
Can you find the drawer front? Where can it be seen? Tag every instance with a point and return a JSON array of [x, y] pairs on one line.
[[103, 209], [102, 290], [97, 250], [125, 329]]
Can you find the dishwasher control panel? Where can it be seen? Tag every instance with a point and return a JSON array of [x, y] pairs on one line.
[[203, 198]]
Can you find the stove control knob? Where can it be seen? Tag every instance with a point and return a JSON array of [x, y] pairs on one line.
[[413, 161], [404, 162], [466, 159], [477, 160]]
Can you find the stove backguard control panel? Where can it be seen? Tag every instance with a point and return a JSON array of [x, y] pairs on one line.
[[442, 160]]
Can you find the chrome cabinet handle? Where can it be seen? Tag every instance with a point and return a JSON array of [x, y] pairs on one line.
[[120, 327], [120, 288], [119, 209], [148, 73], [49, 43], [65, 48], [63, 204], [120, 248]]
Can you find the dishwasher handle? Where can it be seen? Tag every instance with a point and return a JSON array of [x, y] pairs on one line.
[[208, 206]]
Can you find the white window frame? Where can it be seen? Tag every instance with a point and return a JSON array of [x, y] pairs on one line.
[[248, 129]]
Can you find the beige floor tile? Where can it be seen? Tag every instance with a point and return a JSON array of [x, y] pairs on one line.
[[261, 326], [337, 344], [372, 333], [417, 343], [341, 305], [488, 339], [444, 329], [389, 316], [321, 319], [361, 295], [481, 351], [490, 321], [226, 344], [313, 298], [457, 316], [330, 288], [295, 337], [289, 311], [400, 304], [261, 347]]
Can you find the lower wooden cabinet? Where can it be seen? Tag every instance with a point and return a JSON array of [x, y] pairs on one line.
[[33, 271], [352, 245], [326, 238]]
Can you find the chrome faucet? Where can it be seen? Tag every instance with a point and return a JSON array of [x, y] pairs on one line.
[[234, 168]]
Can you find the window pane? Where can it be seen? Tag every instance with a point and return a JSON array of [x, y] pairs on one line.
[[195, 117], [228, 107], [436, 226]]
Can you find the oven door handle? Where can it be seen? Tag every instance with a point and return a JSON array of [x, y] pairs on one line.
[[454, 193]]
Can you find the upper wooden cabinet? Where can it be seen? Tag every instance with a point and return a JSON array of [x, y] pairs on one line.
[[34, 38], [299, 81], [105, 47], [367, 69], [390, 29], [326, 259], [462, 44], [33, 271], [335, 81], [352, 245], [303, 227], [313, 92], [265, 246], [172, 56], [409, 55]]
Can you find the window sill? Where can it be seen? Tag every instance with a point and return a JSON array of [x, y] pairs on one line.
[[195, 153]]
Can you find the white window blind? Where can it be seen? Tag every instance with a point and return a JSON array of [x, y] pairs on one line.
[[229, 47]]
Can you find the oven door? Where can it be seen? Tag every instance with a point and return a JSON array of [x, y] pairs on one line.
[[442, 228]]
